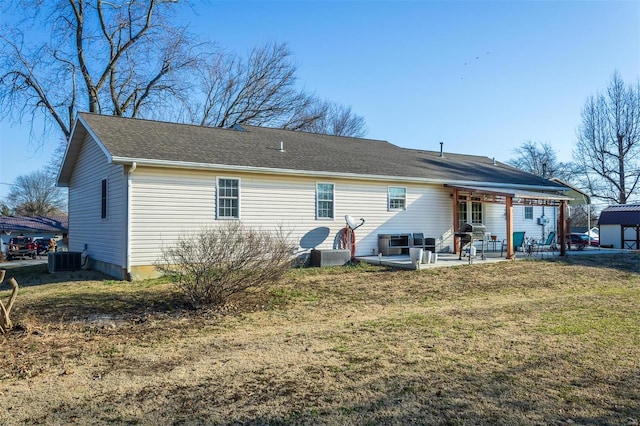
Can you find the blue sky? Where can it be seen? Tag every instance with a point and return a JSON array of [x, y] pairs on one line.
[[482, 77]]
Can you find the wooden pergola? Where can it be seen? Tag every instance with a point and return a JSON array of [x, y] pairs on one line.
[[510, 197]]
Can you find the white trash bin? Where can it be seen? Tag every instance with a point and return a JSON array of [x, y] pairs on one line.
[[416, 255], [434, 258], [428, 256]]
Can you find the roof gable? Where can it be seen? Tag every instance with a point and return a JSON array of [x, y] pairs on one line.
[[127, 140]]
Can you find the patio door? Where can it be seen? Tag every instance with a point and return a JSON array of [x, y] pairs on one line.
[[469, 210]]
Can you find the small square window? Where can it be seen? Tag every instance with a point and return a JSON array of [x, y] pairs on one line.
[[528, 212]]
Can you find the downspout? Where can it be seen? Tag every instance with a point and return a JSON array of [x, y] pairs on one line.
[[132, 169]]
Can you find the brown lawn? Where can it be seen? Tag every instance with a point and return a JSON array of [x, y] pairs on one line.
[[525, 342]]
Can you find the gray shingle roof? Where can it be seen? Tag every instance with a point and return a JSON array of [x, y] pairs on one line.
[[136, 139], [35, 224]]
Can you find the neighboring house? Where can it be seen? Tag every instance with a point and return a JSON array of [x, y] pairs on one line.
[[137, 185], [33, 226], [578, 198], [620, 226]]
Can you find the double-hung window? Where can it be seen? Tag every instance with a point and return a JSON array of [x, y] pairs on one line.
[[324, 201], [228, 201], [397, 198]]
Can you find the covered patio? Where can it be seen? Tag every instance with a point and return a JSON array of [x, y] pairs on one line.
[[510, 197], [492, 243]]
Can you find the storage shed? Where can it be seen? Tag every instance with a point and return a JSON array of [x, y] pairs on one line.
[[620, 226]]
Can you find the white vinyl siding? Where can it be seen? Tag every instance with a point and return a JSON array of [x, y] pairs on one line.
[[169, 203], [105, 239], [611, 235]]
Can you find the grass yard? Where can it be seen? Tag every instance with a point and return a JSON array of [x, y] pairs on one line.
[[526, 342]]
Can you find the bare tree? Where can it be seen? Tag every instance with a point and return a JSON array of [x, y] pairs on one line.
[[262, 91], [332, 119], [105, 57], [36, 194], [540, 159], [218, 262], [258, 91], [608, 147], [128, 58], [583, 216]]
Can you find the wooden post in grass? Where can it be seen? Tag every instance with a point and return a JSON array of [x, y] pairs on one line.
[[5, 320]]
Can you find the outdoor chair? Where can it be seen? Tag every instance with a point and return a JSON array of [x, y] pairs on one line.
[[425, 243], [418, 239], [518, 243], [430, 244], [548, 245]]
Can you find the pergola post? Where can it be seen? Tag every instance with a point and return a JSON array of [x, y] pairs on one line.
[[509, 215], [455, 220], [563, 226]]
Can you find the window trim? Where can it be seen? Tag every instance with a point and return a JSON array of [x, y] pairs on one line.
[[524, 212], [389, 199], [477, 202], [218, 216], [104, 199], [333, 201], [466, 205]]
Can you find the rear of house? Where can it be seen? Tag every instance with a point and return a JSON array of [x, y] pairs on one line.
[[136, 186]]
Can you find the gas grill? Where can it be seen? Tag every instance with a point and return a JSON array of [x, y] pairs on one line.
[[468, 233]]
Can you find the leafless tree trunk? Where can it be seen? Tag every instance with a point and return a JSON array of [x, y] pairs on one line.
[[104, 57], [128, 58], [608, 148]]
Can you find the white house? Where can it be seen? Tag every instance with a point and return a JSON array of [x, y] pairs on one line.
[[136, 185]]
